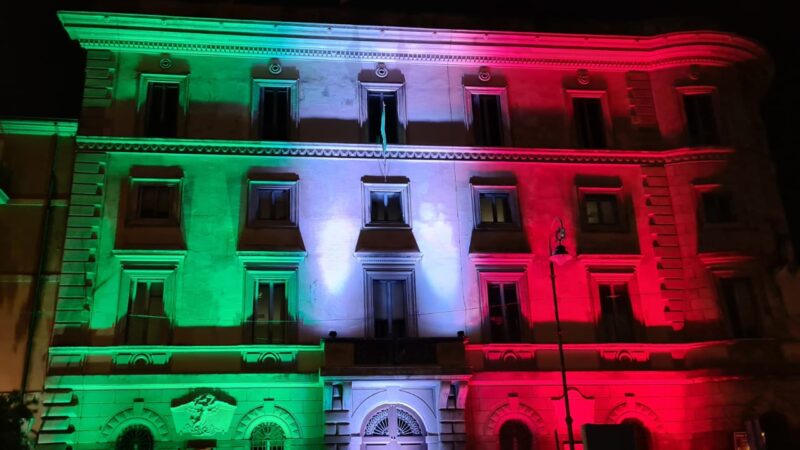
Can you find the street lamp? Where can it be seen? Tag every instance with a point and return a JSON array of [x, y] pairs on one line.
[[559, 256]]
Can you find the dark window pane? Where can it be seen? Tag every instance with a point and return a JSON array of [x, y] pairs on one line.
[[275, 113], [589, 122], [386, 207], [155, 201], [601, 209], [487, 119], [701, 122], [270, 313], [161, 109], [616, 317], [273, 204], [375, 102], [147, 322], [717, 207], [495, 208], [504, 312], [389, 308], [740, 307]]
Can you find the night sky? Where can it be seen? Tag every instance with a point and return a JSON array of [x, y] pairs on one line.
[[42, 71]]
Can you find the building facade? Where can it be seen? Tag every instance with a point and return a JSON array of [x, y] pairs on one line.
[[250, 267], [36, 159]]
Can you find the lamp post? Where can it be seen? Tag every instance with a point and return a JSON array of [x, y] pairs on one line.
[[559, 256]]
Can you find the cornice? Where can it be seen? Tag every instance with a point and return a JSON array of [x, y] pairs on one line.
[[407, 152], [39, 127], [133, 32]]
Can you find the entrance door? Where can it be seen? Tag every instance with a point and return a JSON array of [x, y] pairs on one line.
[[393, 427]]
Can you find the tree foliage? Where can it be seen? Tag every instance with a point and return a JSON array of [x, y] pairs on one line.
[[15, 414]]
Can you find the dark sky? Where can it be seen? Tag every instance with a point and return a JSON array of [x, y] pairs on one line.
[[42, 75]]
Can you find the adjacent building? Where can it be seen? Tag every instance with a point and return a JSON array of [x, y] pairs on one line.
[[249, 266]]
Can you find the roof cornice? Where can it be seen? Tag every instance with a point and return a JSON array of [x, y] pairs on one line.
[[38, 127], [407, 152], [134, 32]]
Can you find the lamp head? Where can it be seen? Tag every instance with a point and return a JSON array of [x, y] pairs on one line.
[[560, 255]]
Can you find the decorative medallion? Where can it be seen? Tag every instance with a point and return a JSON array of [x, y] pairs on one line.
[[583, 77], [694, 72], [275, 67], [381, 71], [484, 74], [206, 415], [165, 63]]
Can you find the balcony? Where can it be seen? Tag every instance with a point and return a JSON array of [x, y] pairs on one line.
[[402, 356]]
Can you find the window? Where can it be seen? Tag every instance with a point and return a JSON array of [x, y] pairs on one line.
[[135, 437], [274, 109], [161, 112], [270, 313], [389, 308], [487, 115], [271, 309], [374, 97], [717, 207], [267, 436], [504, 316], [495, 206], [503, 304], [377, 102], [161, 104], [154, 203], [514, 435], [487, 119], [616, 313], [390, 303], [146, 321], [740, 307], [386, 203], [272, 203], [337, 396], [589, 120], [601, 209], [701, 121]]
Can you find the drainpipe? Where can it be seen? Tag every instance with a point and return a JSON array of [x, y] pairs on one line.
[[38, 281]]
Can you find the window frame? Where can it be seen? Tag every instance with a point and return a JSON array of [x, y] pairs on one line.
[[708, 188], [145, 79], [145, 265], [258, 273], [608, 129], [506, 274], [255, 105], [613, 272], [505, 115], [390, 272], [513, 199], [134, 195], [254, 185], [621, 210], [364, 88], [681, 93], [367, 187]]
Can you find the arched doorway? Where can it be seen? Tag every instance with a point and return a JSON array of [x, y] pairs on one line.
[[514, 435], [267, 436], [135, 437], [393, 427], [776, 429], [641, 435]]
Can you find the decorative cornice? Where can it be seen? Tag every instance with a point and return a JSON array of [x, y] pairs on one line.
[[39, 127], [409, 152], [134, 32]]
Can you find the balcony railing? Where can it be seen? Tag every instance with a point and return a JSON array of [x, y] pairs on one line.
[[400, 355]]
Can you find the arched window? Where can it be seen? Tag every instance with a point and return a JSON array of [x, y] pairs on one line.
[[514, 435], [393, 427], [135, 437], [267, 436], [641, 435]]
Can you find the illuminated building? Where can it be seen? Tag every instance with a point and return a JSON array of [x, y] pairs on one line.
[[252, 270]]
